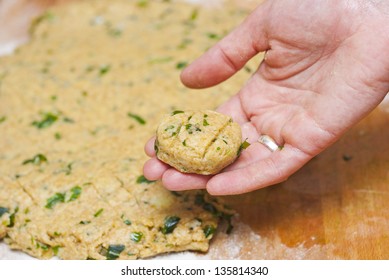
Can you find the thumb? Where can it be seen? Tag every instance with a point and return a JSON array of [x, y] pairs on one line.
[[230, 54]]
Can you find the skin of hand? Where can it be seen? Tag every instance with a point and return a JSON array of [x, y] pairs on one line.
[[326, 67]]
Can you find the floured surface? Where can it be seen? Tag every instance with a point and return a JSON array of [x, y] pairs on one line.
[[77, 105]]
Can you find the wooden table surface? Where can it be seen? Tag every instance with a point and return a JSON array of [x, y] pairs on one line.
[[335, 207]]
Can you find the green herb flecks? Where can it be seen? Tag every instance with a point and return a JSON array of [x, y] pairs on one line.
[[55, 249], [3, 119], [207, 206], [104, 69], [47, 16], [194, 15], [170, 224], [75, 193], [58, 136], [172, 129], [47, 120], [113, 251], [68, 169], [36, 160], [136, 236], [55, 199], [41, 245], [143, 180], [242, 147], [142, 3], [209, 230], [99, 212], [137, 118], [156, 148], [158, 60], [205, 122], [184, 143], [175, 112], [127, 222], [12, 218], [213, 36], [181, 64], [3, 210], [85, 222]]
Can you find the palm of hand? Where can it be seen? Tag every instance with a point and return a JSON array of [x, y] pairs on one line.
[[319, 77]]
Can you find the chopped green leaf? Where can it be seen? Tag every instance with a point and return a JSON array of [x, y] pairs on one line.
[[181, 64], [98, 213], [205, 122], [42, 245], [143, 180], [208, 230], [55, 249], [2, 119], [36, 160], [184, 43], [57, 198], [104, 69], [57, 136], [194, 14], [3, 210], [85, 222], [47, 120], [158, 60], [12, 218], [242, 147], [142, 3], [177, 112], [114, 251], [127, 222], [170, 224], [184, 142], [139, 119], [136, 236], [156, 149], [114, 31], [76, 192]]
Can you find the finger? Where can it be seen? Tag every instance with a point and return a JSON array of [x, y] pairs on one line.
[[269, 171], [229, 55], [176, 181], [149, 147], [153, 169]]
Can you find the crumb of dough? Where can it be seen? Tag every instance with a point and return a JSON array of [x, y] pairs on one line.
[[201, 142]]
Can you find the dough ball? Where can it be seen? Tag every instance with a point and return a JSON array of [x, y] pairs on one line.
[[201, 142]]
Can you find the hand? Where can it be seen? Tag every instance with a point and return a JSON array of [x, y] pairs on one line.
[[326, 67]]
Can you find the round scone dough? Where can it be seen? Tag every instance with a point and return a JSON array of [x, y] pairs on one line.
[[201, 142]]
